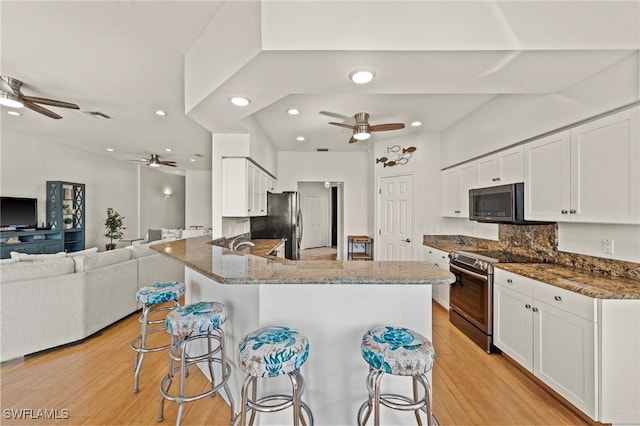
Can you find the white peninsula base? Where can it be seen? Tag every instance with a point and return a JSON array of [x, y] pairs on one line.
[[334, 317]]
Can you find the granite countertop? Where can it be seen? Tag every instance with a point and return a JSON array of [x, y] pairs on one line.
[[225, 266], [593, 285]]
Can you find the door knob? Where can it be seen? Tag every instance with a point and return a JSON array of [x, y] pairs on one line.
[[407, 240]]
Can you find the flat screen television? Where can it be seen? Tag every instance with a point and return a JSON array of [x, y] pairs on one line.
[[18, 212]]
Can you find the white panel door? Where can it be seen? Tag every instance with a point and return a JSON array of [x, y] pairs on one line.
[[395, 218], [315, 216]]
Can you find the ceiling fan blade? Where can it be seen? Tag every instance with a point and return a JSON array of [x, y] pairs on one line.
[[336, 115], [51, 102], [348, 126], [41, 110], [388, 126], [352, 140], [168, 163]]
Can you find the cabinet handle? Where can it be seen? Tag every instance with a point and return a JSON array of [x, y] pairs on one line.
[[572, 211], [456, 211], [564, 212], [430, 252], [528, 306], [535, 309], [509, 280], [557, 298], [437, 265], [444, 257]]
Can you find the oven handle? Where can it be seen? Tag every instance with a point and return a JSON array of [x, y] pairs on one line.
[[473, 274]]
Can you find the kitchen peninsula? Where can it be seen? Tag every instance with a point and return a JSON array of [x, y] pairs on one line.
[[332, 302]]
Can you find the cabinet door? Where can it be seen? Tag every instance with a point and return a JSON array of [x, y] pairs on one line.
[[488, 171], [450, 190], [510, 164], [468, 179], [605, 164], [262, 194], [234, 187], [564, 354], [252, 189], [513, 325], [440, 293], [547, 187]]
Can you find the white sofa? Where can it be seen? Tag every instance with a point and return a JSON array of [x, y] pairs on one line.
[[51, 300]]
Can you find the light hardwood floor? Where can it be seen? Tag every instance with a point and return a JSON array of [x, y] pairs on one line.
[[93, 381]]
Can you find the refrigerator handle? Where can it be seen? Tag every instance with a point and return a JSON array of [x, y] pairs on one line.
[[300, 227]]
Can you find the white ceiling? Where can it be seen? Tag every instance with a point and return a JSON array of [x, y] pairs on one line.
[[126, 60]]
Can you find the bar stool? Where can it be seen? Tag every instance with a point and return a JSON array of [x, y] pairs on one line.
[[400, 352], [150, 297], [271, 352], [188, 324]]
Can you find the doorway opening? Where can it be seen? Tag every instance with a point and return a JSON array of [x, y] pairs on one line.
[[322, 218]]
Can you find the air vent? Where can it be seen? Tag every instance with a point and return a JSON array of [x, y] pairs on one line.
[[322, 149], [97, 114]]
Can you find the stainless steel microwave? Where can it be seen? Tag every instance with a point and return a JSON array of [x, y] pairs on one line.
[[498, 204]]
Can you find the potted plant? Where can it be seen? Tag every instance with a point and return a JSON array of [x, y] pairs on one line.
[[115, 226], [67, 222]]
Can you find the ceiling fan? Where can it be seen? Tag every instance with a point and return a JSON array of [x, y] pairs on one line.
[[155, 161], [11, 96], [362, 129]]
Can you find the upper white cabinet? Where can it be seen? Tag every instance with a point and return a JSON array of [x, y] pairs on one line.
[[244, 188], [590, 173], [456, 183], [501, 168]]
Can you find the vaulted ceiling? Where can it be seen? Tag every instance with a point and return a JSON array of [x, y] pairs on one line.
[[435, 62]]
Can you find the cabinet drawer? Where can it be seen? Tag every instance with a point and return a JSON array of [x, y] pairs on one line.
[[575, 303], [515, 282]]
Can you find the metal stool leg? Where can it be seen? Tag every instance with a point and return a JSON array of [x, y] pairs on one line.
[[139, 357]]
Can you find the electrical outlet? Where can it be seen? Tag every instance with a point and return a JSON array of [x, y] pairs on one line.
[[607, 246]]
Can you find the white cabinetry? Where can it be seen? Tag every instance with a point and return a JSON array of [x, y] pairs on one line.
[[501, 168], [551, 332], [590, 173], [440, 293], [456, 183], [244, 188]]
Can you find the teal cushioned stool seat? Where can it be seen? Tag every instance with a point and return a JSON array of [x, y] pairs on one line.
[[398, 351], [151, 297], [271, 352], [197, 326]]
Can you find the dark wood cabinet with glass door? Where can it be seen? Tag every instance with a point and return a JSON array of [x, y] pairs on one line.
[[65, 212]]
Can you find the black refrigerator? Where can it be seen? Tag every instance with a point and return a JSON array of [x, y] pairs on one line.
[[283, 220]]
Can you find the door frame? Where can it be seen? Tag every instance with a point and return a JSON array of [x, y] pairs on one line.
[[378, 215]]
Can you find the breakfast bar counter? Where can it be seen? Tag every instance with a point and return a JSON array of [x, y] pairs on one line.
[[332, 302]]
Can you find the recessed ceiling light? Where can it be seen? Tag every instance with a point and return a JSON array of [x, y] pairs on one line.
[[300, 138], [193, 160], [416, 124], [168, 149], [293, 111], [161, 113], [110, 149], [240, 101], [13, 113], [362, 76]]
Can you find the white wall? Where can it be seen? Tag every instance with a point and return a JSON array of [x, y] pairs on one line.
[[156, 209], [350, 168], [27, 163], [198, 198], [509, 119]]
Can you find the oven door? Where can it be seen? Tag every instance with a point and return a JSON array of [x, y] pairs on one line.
[[471, 297]]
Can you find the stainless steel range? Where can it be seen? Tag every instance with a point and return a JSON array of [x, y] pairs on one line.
[[471, 298]]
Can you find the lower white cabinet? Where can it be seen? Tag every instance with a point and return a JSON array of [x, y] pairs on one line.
[[440, 293], [551, 332]]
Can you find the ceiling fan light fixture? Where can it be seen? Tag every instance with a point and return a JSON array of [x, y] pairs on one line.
[[300, 138], [9, 100], [240, 101], [362, 76], [362, 136], [361, 132]]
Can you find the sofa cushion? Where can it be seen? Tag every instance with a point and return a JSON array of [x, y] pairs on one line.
[[31, 257], [142, 250], [18, 271], [98, 260], [83, 252]]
